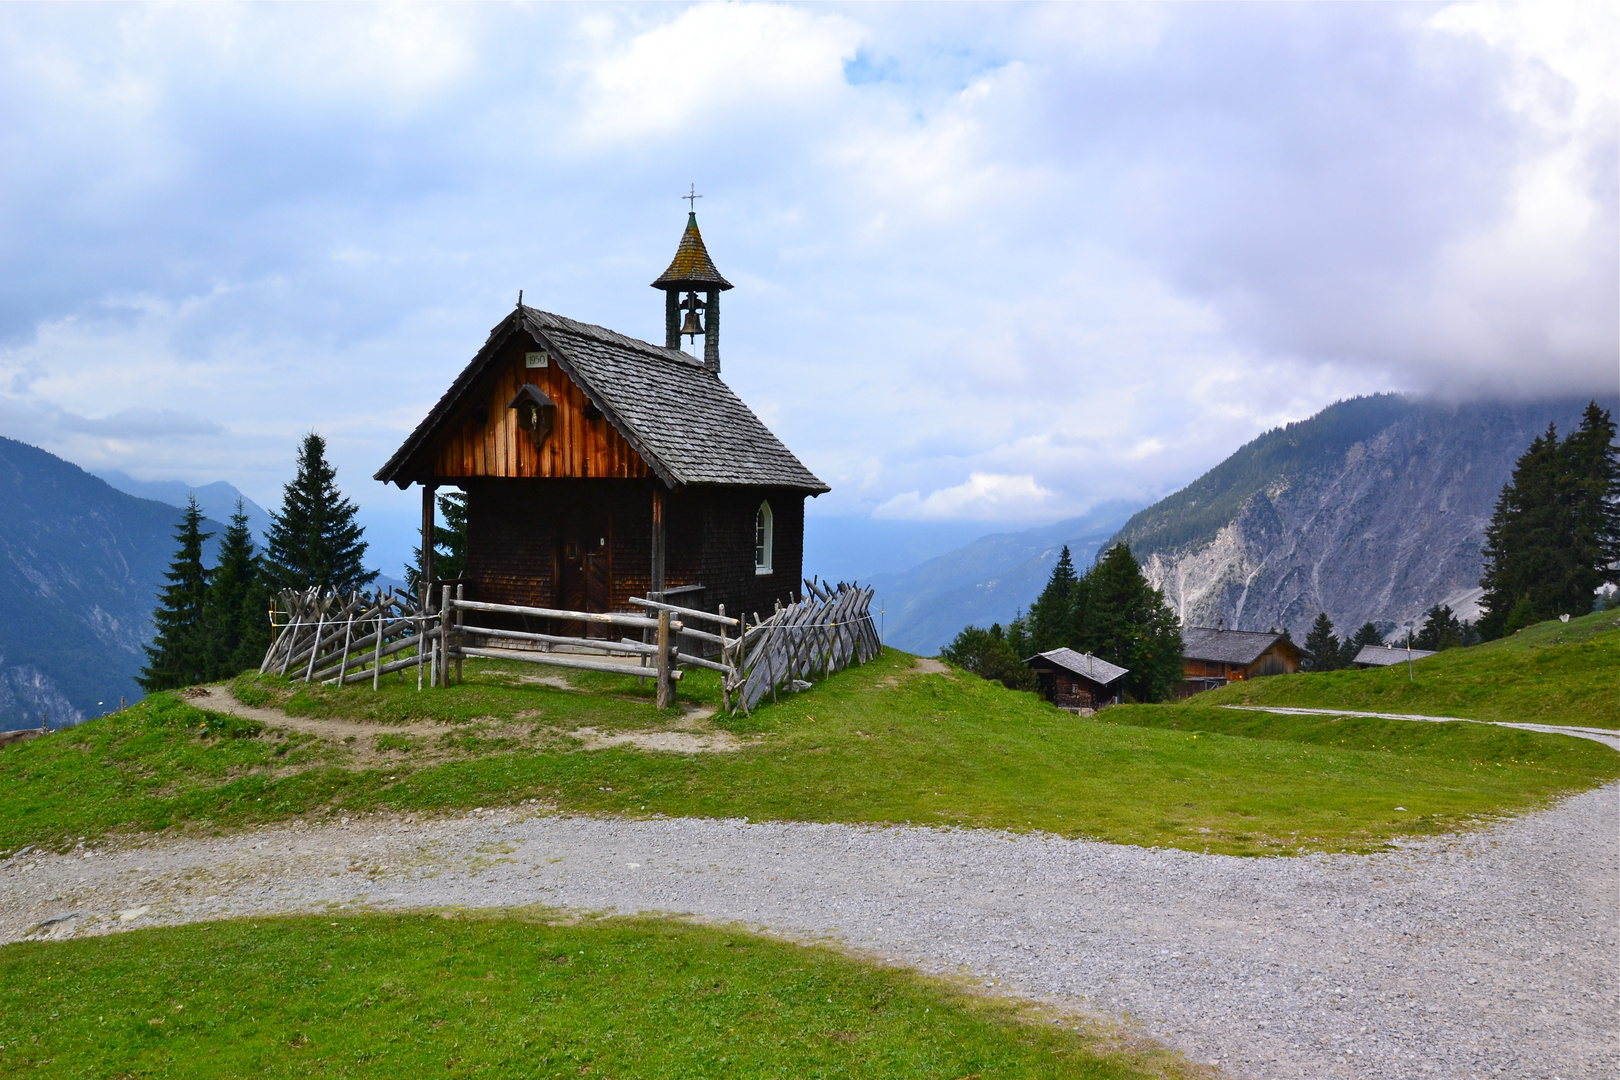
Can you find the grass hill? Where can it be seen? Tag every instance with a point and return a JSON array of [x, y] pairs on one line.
[[1550, 673], [80, 568], [890, 742], [531, 994]]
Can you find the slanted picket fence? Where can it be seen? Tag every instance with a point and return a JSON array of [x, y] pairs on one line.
[[823, 633], [321, 636]]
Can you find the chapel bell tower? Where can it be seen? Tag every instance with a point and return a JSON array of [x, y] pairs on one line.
[[692, 288]]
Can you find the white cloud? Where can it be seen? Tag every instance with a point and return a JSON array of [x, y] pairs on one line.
[[985, 497], [689, 77], [1071, 253]]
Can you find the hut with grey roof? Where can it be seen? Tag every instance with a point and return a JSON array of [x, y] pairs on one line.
[[598, 467], [1388, 656], [1074, 680], [1215, 656]]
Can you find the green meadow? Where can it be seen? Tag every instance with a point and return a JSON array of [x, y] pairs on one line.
[[887, 743], [1550, 673], [516, 995]]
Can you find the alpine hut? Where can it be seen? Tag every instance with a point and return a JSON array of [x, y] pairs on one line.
[[1074, 680], [598, 467], [1215, 656]]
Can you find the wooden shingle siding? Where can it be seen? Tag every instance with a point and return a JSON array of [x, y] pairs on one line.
[[576, 448]]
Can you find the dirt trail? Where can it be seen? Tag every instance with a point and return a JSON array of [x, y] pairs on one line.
[[693, 735], [219, 699]]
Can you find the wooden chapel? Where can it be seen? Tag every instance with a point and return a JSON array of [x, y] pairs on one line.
[[598, 467]]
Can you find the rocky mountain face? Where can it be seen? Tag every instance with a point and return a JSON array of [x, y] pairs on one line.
[[1373, 510], [80, 569]]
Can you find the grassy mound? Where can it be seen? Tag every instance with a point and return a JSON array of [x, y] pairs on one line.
[[420, 995], [1550, 673], [884, 743]]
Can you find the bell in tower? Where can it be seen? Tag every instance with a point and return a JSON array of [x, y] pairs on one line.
[[692, 288]]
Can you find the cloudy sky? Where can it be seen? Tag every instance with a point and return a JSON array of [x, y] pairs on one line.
[[994, 264]]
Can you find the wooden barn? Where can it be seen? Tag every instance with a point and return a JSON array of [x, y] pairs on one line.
[[1215, 656], [598, 467], [1072, 680]]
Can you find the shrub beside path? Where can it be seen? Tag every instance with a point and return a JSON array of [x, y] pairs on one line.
[[1480, 955]]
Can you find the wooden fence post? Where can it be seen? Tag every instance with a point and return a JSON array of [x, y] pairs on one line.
[[445, 615], [663, 659], [426, 588], [461, 620]]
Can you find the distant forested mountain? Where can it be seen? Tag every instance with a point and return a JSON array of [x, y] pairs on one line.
[[984, 582], [216, 500], [1373, 510], [80, 567]]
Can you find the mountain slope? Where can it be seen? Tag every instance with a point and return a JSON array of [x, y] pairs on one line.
[[984, 582], [80, 567], [216, 500], [1373, 510]]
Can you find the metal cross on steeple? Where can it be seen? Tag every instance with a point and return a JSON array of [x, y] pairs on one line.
[[693, 197]]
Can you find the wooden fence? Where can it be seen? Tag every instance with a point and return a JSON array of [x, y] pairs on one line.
[[326, 637], [319, 635], [824, 632]]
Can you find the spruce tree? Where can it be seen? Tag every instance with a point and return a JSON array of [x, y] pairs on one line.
[[236, 610], [178, 655], [1440, 630], [315, 541], [449, 544], [1127, 623], [1367, 635], [1592, 481], [1521, 540], [1555, 535], [1322, 649], [1051, 617]]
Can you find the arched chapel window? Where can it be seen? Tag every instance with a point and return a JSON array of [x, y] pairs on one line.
[[763, 539]]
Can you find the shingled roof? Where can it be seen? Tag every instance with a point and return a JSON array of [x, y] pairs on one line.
[[1098, 671], [684, 422], [1384, 656], [1225, 646], [691, 268]]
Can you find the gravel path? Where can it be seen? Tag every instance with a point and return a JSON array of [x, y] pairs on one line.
[[1493, 954], [1607, 736]]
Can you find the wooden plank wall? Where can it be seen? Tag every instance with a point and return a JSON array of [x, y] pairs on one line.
[[576, 447]]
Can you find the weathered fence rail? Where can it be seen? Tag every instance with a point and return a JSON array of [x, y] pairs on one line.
[[337, 639], [825, 632]]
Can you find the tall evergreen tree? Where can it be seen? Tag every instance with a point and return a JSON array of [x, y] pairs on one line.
[[236, 609], [1555, 535], [315, 540], [1367, 635], [449, 543], [178, 655], [1125, 621], [1051, 618], [1322, 649], [1592, 479], [1521, 541], [1440, 630]]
